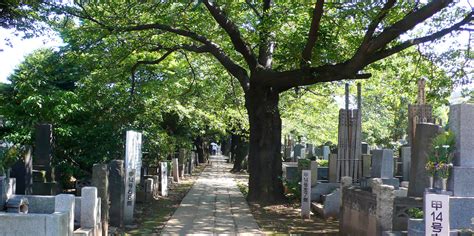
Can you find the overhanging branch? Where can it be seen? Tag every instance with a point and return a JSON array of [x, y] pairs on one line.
[[388, 52], [313, 32], [233, 31]]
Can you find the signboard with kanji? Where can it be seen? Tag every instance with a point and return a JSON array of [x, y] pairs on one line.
[[164, 178], [305, 193], [436, 214], [133, 159]]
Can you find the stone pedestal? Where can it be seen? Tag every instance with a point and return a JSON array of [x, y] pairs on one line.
[[425, 132]]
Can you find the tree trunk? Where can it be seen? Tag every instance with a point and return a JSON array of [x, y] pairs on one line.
[[265, 184], [202, 149], [239, 151]]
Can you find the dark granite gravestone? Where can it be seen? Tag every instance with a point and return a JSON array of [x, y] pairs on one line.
[[22, 171], [100, 179], [419, 180], [45, 182], [116, 189]]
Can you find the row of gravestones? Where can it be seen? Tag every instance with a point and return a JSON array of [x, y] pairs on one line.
[[460, 191]]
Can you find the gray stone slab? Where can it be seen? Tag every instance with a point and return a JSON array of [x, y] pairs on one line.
[[89, 207], [461, 118], [461, 212], [461, 181], [382, 164], [65, 203], [425, 132], [405, 153], [100, 179], [116, 186]]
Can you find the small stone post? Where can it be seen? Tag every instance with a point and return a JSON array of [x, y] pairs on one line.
[[384, 211], [175, 170], [100, 179], [65, 203], [89, 202]]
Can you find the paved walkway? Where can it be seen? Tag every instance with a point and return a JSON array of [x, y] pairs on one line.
[[214, 205]]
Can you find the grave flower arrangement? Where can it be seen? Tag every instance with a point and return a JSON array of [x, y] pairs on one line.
[[440, 159]]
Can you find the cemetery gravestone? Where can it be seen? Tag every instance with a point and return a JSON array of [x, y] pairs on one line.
[[365, 148], [100, 179], [164, 178], [175, 170], [349, 139], [420, 151], [132, 172], [366, 162], [305, 193], [382, 167], [22, 171], [116, 189], [333, 168], [325, 152], [297, 151], [419, 113], [46, 184], [405, 153]]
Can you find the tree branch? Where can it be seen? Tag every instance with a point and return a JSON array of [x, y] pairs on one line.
[[233, 31], [375, 22], [283, 81], [407, 23], [154, 62], [313, 32], [388, 52], [249, 3], [267, 39]]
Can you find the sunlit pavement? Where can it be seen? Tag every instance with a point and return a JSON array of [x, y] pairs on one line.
[[214, 205]]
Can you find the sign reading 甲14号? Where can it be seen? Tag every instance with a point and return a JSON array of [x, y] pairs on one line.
[[436, 214]]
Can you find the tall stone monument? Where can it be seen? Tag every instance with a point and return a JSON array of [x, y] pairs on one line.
[[133, 157], [43, 172], [349, 140], [418, 113], [420, 151]]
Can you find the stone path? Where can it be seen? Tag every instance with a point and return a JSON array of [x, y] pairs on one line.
[[214, 205]]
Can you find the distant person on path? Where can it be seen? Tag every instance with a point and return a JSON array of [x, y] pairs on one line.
[[213, 148]]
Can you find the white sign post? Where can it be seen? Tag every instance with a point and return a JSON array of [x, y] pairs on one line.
[[164, 178], [305, 193], [133, 161], [436, 214]]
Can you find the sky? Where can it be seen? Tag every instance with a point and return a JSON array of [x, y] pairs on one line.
[[12, 56]]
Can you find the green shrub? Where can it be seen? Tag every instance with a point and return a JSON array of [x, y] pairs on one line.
[[323, 163], [415, 213]]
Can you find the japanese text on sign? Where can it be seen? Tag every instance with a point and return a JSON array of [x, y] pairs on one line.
[[437, 214]]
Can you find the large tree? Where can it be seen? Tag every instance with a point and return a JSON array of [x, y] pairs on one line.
[[269, 47]]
